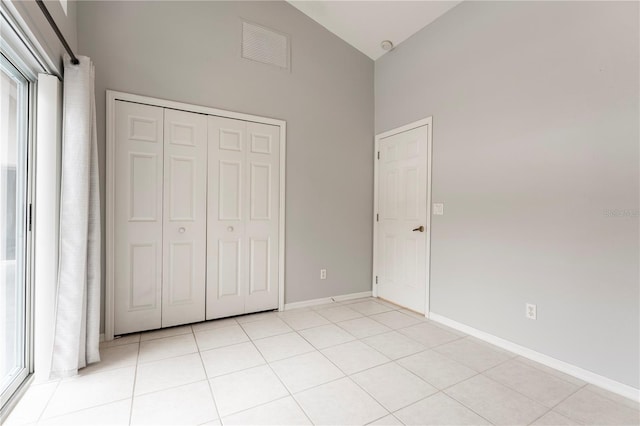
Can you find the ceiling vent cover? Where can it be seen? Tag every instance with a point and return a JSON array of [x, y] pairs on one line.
[[265, 45]]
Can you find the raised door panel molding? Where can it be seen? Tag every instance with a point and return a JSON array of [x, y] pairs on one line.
[[230, 190], [259, 265], [229, 268], [182, 133], [261, 144], [143, 129], [260, 191], [183, 191], [143, 194], [231, 139], [181, 284], [143, 276]]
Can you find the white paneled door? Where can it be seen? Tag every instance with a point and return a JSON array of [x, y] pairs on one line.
[[195, 214], [243, 215], [402, 219], [138, 217], [160, 217], [185, 221]]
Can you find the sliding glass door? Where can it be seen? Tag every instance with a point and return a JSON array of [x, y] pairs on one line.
[[13, 229]]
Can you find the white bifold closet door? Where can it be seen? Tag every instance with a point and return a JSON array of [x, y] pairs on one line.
[[160, 217], [185, 217], [138, 217], [242, 223]]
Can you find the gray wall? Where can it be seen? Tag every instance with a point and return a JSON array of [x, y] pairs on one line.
[[190, 52], [535, 136]]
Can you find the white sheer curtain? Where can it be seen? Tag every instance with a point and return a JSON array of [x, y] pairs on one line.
[[77, 313]]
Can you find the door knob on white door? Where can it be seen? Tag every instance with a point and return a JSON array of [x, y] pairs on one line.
[[182, 229], [230, 229], [419, 229]]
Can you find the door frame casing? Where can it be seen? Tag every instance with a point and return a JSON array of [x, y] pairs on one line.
[[428, 124], [112, 97]]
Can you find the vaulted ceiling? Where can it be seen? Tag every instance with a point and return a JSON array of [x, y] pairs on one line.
[[365, 24]]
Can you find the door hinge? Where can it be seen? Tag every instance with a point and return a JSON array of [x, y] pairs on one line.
[[30, 217], [376, 279], [378, 155], [377, 217]]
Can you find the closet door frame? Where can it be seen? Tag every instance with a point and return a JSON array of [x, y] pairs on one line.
[[112, 97]]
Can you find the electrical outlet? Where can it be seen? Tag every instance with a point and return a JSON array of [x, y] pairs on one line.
[[323, 274], [531, 312]]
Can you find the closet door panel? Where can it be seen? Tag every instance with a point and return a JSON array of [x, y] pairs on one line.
[[138, 217], [226, 253], [262, 198], [184, 242]]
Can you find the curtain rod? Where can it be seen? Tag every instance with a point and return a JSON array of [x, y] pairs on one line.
[[74, 59]]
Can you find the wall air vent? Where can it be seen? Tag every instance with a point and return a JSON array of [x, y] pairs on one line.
[[265, 45]]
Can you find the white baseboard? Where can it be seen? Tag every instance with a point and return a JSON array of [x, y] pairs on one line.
[[582, 374], [323, 300]]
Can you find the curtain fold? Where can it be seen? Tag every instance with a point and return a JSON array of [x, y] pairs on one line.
[[77, 312]]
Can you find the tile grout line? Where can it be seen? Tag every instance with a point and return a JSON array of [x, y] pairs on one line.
[[467, 407], [206, 376], [319, 312], [467, 379], [233, 344], [46, 405], [313, 348], [352, 380], [266, 337], [321, 384], [169, 388], [443, 390], [560, 402], [394, 361], [542, 370], [578, 387], [81, 409], [135, 377], [447, 395], [373, 397], [522, 394], [495, 381], [371, 335], [283, 384], [330, 346], [610, 399], [380, 418], [76, 411]]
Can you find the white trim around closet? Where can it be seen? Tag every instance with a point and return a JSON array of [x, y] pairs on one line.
[[112, 97]]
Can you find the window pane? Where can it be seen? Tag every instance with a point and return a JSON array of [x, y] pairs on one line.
[[12, 225]]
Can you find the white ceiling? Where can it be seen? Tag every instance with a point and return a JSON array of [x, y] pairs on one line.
[[365, 24]]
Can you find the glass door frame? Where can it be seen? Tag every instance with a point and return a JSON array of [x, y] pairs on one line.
[[27, 136]]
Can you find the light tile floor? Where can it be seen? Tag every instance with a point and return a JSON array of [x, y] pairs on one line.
[[355, 362]]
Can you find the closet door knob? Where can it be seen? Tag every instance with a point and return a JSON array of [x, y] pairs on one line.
[[181, 230], [230, 229]]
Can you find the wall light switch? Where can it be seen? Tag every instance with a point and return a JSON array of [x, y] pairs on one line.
[[438, 209]]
